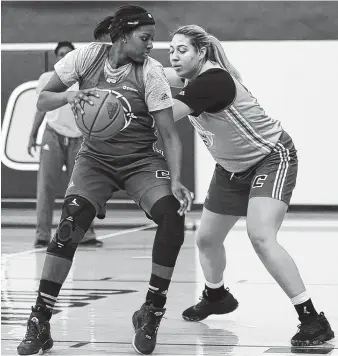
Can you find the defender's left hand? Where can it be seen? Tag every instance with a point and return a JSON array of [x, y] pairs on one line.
[[183, 195]]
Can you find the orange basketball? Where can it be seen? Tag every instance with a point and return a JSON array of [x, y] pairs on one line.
[[104, 119]]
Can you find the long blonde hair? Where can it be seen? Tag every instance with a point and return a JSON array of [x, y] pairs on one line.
[[199, 38]]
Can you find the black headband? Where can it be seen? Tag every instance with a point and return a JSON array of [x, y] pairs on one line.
[[134, 21], [129, 23]]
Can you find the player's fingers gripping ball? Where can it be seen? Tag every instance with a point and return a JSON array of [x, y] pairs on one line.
[[103, 119]]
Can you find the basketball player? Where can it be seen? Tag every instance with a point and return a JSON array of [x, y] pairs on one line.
[[126, 161], [255, 174], [60, 144]]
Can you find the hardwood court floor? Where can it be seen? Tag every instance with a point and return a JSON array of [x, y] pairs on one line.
[[106, 285]]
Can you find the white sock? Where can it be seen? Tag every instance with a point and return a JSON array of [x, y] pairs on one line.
[[214, 285], [300, 298]]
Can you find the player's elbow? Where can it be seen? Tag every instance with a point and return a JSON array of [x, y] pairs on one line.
[[45, 102], [40, 105]]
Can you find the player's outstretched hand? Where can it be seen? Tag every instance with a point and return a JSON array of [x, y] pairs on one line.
[[183, 195], [76, 99]]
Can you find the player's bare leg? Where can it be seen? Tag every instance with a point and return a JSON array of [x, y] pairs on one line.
[[264, 218], [210, 241]]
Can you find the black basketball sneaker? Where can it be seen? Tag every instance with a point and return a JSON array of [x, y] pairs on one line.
[[38, 335], [312, 330], [205, 307], [146, 322]]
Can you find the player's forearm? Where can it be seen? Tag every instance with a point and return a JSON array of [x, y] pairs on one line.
[[173, 153], [38, 118], [49, 101]]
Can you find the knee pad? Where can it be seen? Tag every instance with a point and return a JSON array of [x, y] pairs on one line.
[[170, 223], [77, 215], [165, 205]]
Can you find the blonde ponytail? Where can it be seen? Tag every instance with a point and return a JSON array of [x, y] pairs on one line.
[[216, 54], [199, 38]]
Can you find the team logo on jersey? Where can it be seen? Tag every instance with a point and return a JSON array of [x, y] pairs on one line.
[[155, 145], [162, 174], [206, 136], [128, 113], [112, 108], [259, 181], [129, 88], [164, 96]]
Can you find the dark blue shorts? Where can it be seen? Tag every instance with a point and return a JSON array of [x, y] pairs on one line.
[[144, 180], [275, 177]]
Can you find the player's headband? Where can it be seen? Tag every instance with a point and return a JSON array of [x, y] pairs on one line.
[[139, 20], [134, 21]]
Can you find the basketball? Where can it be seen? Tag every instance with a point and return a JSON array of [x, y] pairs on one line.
[[104, 119]]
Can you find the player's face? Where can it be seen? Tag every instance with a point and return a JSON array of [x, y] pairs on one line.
[[140, 43], [62, 51], [183, 57]]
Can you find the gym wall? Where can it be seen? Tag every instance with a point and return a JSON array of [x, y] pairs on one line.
[[287, 53]]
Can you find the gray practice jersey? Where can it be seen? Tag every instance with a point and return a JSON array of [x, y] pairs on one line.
[[234, 127]]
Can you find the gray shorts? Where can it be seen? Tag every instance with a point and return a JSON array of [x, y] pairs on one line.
[[97, 182], [275, 177]]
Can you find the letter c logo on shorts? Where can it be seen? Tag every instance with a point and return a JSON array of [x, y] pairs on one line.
[[259, 181], [162, 174]]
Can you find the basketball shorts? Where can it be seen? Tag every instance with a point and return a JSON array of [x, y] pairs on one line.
[[273, 177], [97, 182]]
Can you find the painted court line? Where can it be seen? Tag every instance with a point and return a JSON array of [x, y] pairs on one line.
[[103, 237]]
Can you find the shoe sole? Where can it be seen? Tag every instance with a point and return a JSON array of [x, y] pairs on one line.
[[47, 346], [134, 346], [40, 352], [199, 317], [133, 340], [134, 321], [317, 341], [44, 348]]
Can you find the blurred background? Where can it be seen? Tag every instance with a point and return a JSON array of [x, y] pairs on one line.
[[287, 53]]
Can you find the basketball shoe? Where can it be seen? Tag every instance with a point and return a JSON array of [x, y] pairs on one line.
[[38, 335], [206, 307], [312, 330], [146, 322]]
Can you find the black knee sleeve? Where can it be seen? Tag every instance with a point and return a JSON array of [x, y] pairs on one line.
[[76, 217], [170, 232], [165, 205]]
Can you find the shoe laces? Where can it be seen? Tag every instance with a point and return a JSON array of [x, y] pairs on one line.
[[151, 322], [204, 295], [33, 329]]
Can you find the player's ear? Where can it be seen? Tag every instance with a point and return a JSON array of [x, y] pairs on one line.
[[202, 52]]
